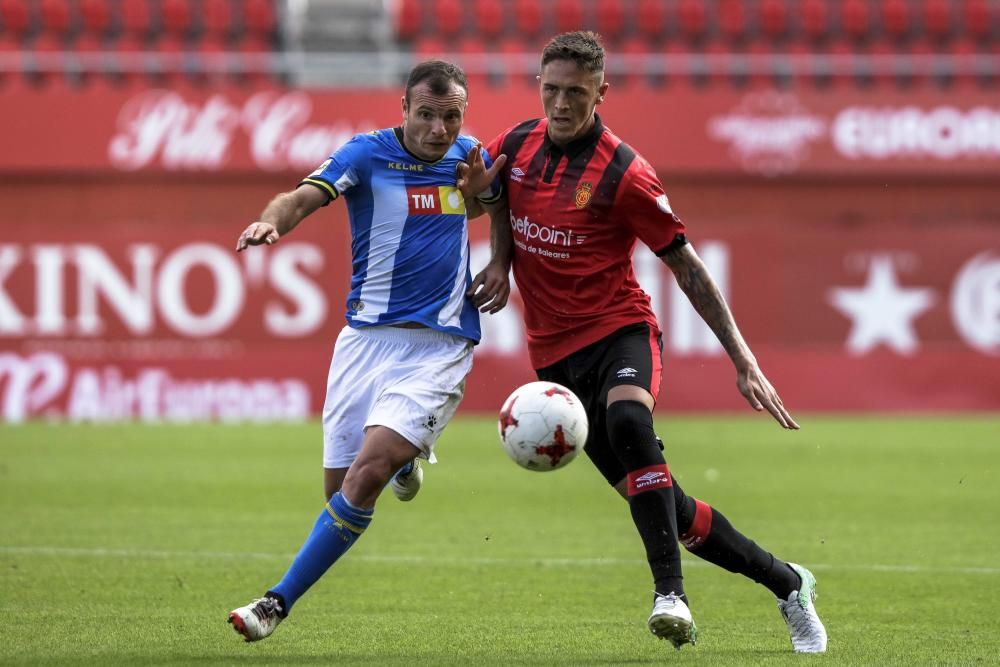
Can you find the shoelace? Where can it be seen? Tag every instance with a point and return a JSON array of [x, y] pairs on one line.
[[801, 622], [264, 608]]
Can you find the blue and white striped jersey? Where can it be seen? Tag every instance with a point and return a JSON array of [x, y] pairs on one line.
[[409, 235]]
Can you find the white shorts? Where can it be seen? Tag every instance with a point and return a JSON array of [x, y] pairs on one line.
[[410, 380]]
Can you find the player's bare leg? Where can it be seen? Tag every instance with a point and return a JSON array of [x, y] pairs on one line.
[[345, 517]]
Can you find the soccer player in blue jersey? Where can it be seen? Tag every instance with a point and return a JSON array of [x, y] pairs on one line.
[[399, 366]]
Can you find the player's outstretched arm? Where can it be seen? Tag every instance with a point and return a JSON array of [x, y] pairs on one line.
[[473, 176], [490, 289], [697, 283], [281, 216]]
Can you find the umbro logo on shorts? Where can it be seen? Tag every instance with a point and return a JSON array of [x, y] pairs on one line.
[[627, 372], [516, 174]]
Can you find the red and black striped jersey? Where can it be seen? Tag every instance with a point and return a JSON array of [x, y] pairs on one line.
[[576, 213]]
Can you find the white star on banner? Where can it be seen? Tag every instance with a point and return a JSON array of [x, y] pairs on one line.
[[881, 311]]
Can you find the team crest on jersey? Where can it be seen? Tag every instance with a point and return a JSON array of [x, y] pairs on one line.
[[582, 196]]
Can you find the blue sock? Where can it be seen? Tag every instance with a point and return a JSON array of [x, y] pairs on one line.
[[406, 469], [337, 528]]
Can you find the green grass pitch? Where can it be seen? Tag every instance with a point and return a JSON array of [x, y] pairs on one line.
[[130, 544]]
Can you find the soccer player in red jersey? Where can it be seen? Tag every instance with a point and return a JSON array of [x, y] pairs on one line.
[[580, 198]]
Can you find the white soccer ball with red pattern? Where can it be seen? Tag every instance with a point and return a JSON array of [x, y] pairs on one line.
[[542, 426]]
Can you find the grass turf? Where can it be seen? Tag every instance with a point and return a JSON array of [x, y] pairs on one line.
[[130, 544]]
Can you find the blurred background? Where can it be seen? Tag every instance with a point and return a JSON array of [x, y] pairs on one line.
[[837, 163]]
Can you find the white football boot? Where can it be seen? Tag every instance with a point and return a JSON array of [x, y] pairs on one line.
[[671, 619], [258, 619], [804, 627], [406, 486]]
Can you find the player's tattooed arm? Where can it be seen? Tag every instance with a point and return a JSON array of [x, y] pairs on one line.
[[704, 294]]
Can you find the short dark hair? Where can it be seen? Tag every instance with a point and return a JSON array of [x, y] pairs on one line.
[[582, 47], [439, 76]]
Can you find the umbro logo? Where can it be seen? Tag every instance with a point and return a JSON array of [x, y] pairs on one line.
[[649, 477], [516, 174], [627, 372]]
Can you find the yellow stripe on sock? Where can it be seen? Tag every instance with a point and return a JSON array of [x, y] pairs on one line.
[[341, 523]]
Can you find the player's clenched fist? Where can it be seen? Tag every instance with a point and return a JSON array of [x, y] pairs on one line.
[[257, 233]]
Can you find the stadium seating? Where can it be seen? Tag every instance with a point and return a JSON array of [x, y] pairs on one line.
[[799, 34]]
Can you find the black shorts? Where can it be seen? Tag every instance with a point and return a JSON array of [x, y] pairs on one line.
[[629, 356]]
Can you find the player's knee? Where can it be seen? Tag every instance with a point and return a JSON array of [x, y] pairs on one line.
[[630, 430]]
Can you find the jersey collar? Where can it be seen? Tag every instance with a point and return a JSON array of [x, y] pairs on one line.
[[578, 145], [398, 131]]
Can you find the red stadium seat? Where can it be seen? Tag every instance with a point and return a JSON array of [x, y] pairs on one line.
[[801, 59], [96, 16], [693, 19], [472, 59], [774, 19], [855, 19], [136, 18], [43, 73], [15, 16], [216, 18], [775, 71], [885, 53], [254, 49], [733, 19], [610, 19], [10, 82], [896, 19], [965, 74], [937, 19], [259, 18], [631, 76], [725, 61], [569, 15], [977, 19], [677, 63], [651, 19], [814, 19], [448, 18], [408, 19], [168, 51], [176, 17], [429, 47], [843, 51], [127, 49], [513, 50], [489, 18], [527, 18], [93, 76], [56, 17], [211, 70]]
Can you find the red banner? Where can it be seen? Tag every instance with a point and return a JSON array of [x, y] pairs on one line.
[[681, 130], [127, 301]]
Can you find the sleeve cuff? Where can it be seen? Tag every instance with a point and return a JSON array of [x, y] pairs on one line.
[[679, 241], [330, 191]]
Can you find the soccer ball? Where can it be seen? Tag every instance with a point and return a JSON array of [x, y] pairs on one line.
[[542, 426]]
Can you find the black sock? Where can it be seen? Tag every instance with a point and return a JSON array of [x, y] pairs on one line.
[[651, 500], [707, 533], [655, 519]]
